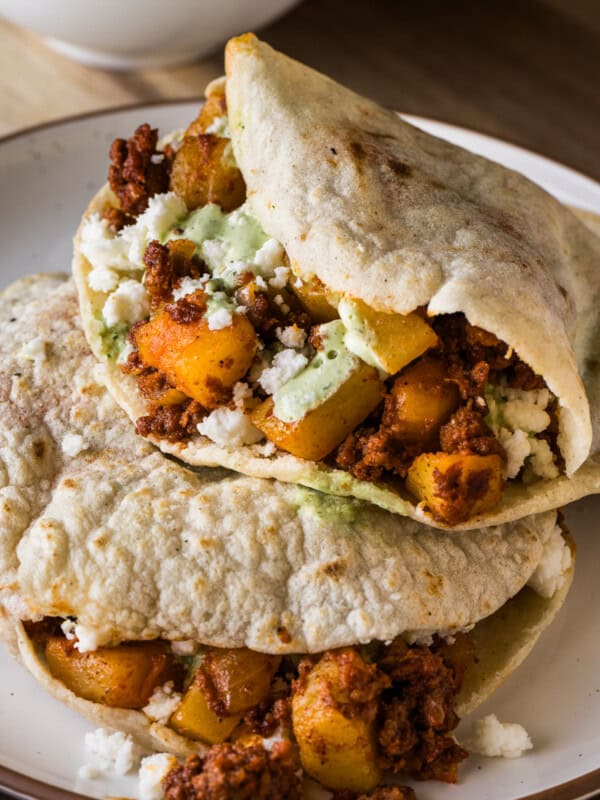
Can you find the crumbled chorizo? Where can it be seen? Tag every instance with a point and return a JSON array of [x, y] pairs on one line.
[[187, 309], [467, 432], [138, 170], [265, 315], [368, 453], [417, 713], [173, 422], [166, 265], [117, 218], [232, 772]]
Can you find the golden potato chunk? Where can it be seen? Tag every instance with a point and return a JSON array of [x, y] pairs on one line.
[[240, 677], [314, 300], [194, 717], [421, 400], [393, 340], [122, 677], [338, 751], [322, 429], [212, 109], [204, 171], [204, 364], [456, 486], [226, 685]]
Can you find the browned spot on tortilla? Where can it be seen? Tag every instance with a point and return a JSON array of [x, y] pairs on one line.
[[39, 450], [358, 153], [399, 167], [283, 634], [69, 483], [206, 542], [333, 569], [435, 583]]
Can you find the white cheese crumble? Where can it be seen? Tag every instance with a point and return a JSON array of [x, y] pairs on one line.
[[185, 647], [286, 365], [87, 639], [109, 753], [189, 286], [219, 318], [127, 304], [515, 417], [241, 393], [152, 771], [72, 444], [490, 737], [34, 350], [270, 256], [68, 628], [220, 127], [292, 336], [229, 428], [280, 280], [162, 703], [103, 279], [124, 251], [556, 559]]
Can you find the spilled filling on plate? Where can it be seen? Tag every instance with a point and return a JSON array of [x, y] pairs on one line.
[[344, 717], [203, 307]]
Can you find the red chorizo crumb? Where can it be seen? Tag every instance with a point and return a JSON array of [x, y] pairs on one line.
[[419, 714], [166, 265], [233, 772], [138, 170], [173, 422], [117, 218], [187, 309], [467, 432]]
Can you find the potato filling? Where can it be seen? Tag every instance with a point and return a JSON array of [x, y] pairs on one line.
[[346, 716], [229, 344]]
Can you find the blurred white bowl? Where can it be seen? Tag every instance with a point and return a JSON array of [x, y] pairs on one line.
[[129, 34]]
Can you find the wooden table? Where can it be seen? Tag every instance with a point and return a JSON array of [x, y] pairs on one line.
[[527, 71]]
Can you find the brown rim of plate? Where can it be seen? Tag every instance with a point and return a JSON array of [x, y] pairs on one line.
[[22, 786], [25, 788]]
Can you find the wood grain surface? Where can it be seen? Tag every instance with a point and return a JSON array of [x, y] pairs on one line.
[[527, 71]]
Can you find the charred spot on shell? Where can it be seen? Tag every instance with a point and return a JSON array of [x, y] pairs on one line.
[[283, 634], [333, 569], [39, 449]]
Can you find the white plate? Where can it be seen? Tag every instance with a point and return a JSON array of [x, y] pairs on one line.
[[47, 177]]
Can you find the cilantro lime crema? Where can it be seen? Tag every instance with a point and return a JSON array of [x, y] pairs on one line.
[[228, 243], [320, 380]]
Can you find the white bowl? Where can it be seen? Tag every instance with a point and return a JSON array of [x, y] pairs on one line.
[[129, 34]]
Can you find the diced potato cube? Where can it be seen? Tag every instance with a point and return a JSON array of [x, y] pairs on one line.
[[204, 171], [241, 677], [204, 364], [121, 677], [214, 107], [421, 400], [394, 339], [325, 427], [170, 397], [338, 751], [314, 299], [456, 486], [193, 717]]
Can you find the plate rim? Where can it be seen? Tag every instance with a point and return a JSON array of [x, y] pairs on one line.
[[19, 785]]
